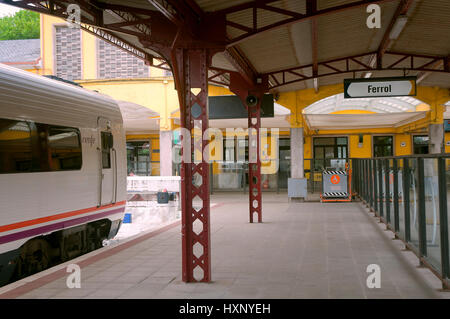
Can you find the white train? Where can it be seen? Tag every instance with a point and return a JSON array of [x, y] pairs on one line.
[[62, 172]]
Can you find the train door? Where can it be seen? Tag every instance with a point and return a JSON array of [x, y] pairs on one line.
[[107, 178]]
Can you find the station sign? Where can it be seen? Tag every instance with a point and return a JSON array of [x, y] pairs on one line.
[[380, 87]]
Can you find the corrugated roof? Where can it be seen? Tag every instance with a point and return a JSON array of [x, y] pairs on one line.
[[20, 50], [340, 34]]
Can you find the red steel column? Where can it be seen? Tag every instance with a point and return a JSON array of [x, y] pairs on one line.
[[254, 161], [251, 96], [191, 68]]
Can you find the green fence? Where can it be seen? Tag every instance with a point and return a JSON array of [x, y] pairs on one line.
[[410, 195]]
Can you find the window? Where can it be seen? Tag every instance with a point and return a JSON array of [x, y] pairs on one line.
[[327, 148], [383, 146], [26, 146], [106, 149], [64, 147], [229, 149], [420, 143], [447, 125], [235, 150], [15, 146], [139, 158]]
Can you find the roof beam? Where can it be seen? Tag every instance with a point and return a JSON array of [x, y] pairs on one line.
[[168, 11], [241, 64], [188, 15], [295, 17], [354, 64], [423, 75], [311, 8], [95, 27]]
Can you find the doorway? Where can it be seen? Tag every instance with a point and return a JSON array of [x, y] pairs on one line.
[[328, 148]]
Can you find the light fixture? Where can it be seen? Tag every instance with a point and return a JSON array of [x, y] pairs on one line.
[[398, 27]]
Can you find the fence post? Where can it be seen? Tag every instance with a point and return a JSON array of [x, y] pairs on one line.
[[406, 202], [443, 219], [387, 191], [422, 213], [364, 179], [396, 214], [370, 183], [380, 186], [375, 188]]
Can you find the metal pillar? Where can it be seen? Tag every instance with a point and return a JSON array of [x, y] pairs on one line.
[[191, 68], [254, 160], [251, 96]]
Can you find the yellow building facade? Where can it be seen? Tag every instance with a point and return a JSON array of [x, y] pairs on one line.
[[155, 90]]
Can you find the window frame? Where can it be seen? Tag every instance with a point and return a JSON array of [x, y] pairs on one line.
[[41, 150], [374, 145], [414, 144]]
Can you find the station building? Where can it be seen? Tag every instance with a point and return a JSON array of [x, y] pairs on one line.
[[312, 125]]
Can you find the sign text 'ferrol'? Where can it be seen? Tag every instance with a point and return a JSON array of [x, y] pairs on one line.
[[380, 87]]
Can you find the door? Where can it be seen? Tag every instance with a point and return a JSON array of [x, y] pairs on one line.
[[284, 169], [328, 148], [138, 158], [107, 173]]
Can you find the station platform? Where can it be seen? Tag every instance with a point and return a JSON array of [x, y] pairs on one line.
[[301, 250]]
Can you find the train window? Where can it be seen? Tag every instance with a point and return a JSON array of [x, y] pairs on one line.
[[106, 149], [15, 146], [64, 147], [36, 147]]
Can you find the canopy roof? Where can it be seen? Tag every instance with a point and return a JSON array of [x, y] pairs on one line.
[[297, 44], [337, 103], [138, 118], [359, 121]]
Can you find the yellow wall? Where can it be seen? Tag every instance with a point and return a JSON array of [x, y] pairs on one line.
[[89, 59], [360, 152], [155, 93], [400, 150]]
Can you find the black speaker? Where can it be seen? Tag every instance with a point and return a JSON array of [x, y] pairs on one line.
[[251, 100]]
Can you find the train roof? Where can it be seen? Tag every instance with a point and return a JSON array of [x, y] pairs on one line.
[[33, 97]]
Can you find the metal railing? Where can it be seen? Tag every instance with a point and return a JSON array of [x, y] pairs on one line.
[[410, 195]]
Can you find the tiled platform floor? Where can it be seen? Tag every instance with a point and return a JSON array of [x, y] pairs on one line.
[[301, 250]]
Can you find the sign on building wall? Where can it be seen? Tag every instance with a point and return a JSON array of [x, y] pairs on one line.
[[380, 87]]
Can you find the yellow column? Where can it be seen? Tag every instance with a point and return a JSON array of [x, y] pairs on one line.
[[89, 55]]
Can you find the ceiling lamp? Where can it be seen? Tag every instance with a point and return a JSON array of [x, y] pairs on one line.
[[398, 27]]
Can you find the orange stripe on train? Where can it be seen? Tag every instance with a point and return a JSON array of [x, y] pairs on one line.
[[55, 217]]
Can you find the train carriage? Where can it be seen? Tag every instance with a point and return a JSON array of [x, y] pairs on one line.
[[62, 172]]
